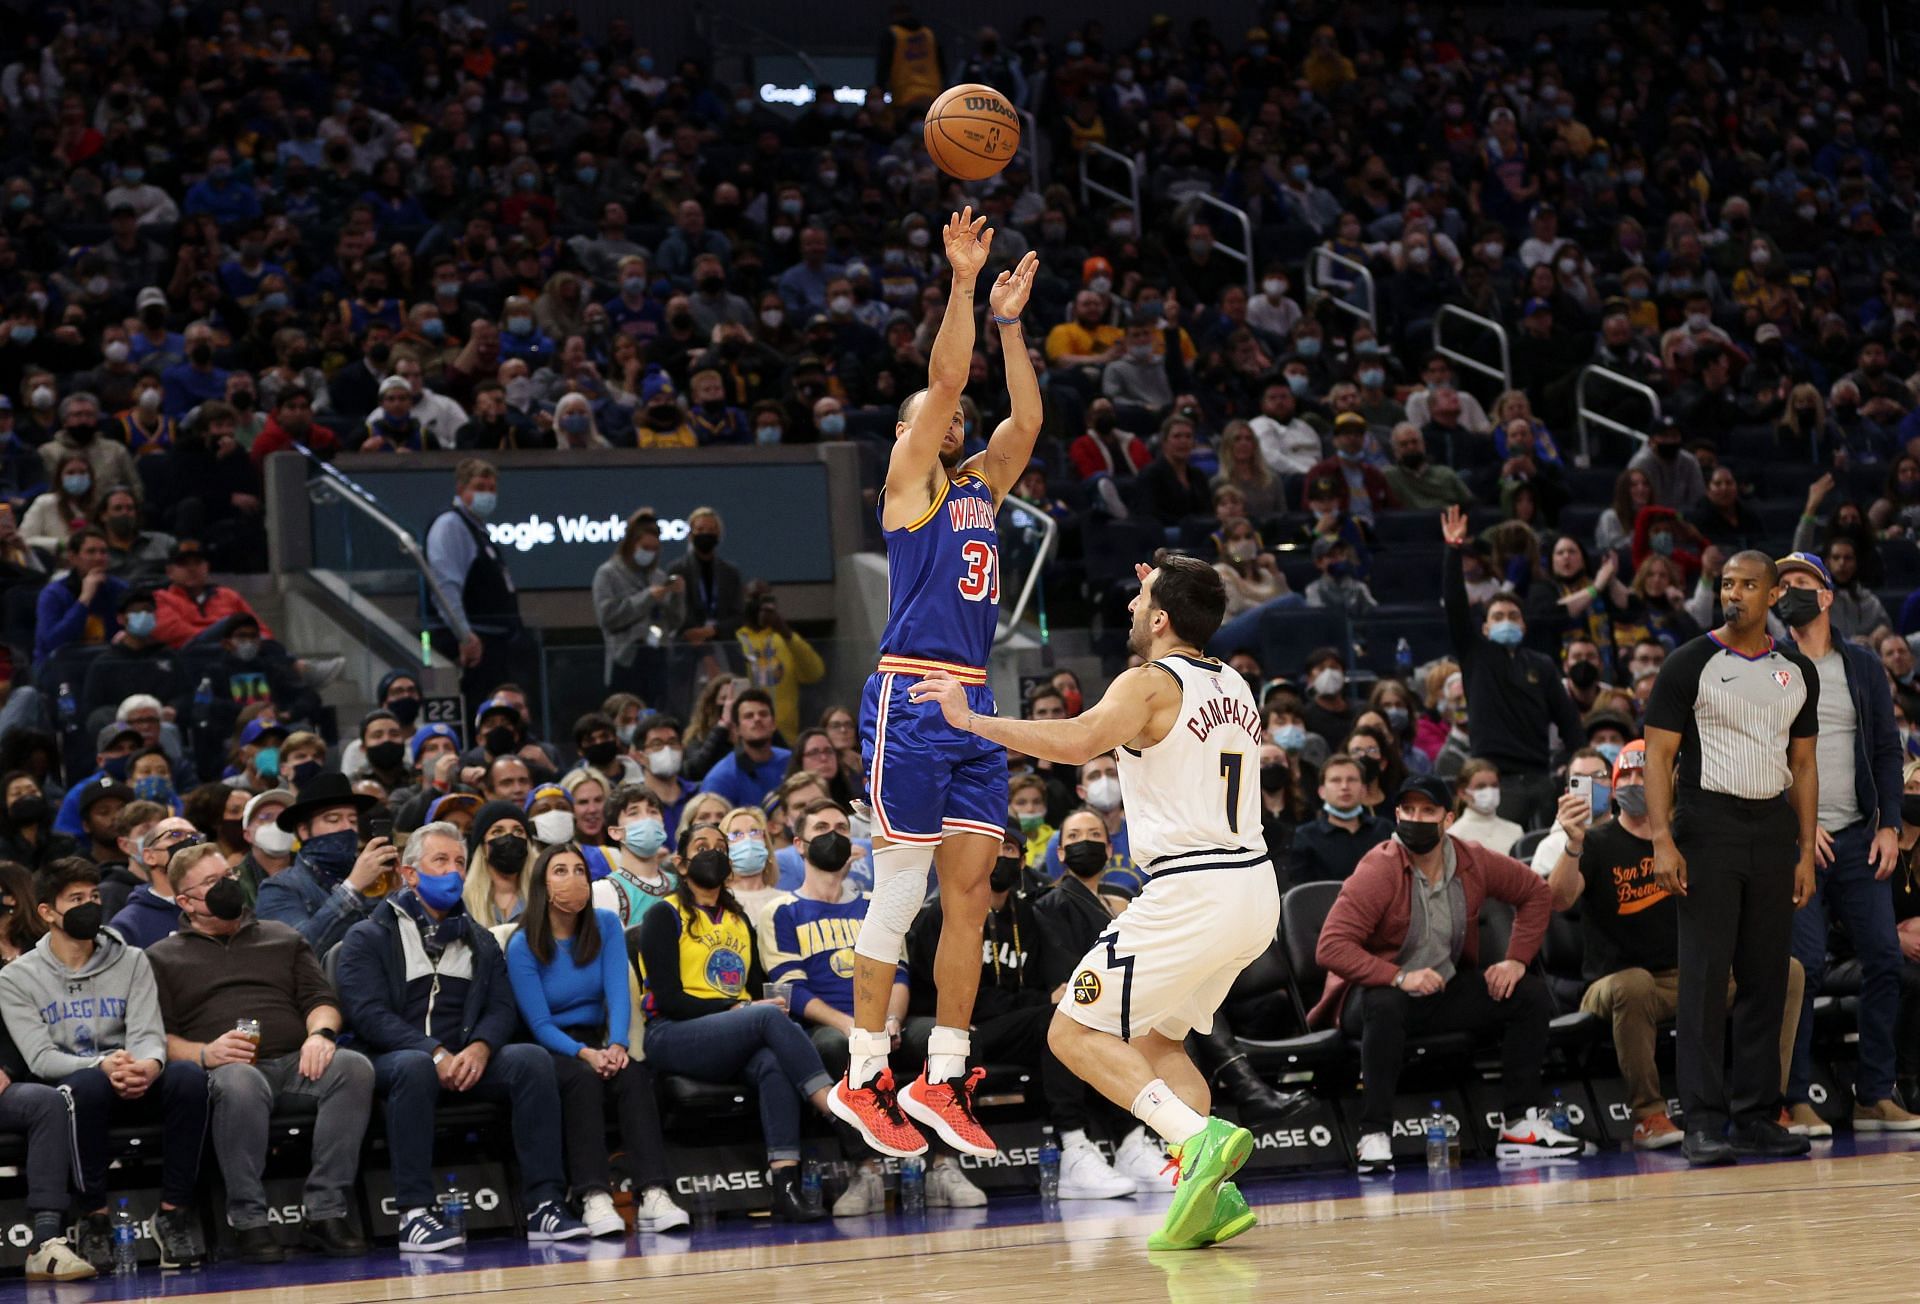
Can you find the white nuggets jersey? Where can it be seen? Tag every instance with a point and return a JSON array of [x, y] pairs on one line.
[[1193, 798]]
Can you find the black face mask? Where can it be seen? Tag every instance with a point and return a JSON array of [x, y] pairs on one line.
[[200, 355], [704, 544], [226, 900], [600, 755], [1273, 778], [829, 851], [27, 810], [1910, 808], [1583, 674], [1369, 770], [1102, 422], [405, 709], [81, 432], [386, 756], [507, 854], [709, 870], [1085, 859], [1006, 872], [1414, 461], [1667, 452], [1798, 607], [1420, 836], [83, 922], [499, 740], [712, 284]]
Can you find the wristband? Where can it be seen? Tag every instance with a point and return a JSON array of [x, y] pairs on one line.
[[998, 320]]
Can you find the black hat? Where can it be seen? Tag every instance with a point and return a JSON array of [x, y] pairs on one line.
[[323, 793], [102, 788], [1431, 786]]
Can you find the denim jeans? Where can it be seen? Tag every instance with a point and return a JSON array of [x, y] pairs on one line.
[[758, 1042], [1864, 904], [520, 1074]]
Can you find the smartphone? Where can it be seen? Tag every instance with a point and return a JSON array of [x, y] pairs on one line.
[[382, 828], [1582, 785]]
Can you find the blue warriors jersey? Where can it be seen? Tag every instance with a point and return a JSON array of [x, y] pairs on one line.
[[943, 579]]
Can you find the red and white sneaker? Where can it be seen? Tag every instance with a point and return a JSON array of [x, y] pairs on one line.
[[947, 1109], [874, 1112], [1534, 1138]]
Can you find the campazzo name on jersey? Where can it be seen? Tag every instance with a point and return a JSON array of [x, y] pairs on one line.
[[1225, 711]]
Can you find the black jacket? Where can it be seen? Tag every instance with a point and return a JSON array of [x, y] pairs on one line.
[[1513, 694], [719, 604], [374, 996], [1011, 980], [1070, 919]]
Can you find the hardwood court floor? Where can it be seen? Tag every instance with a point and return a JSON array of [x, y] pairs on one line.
[[1841, 1227]]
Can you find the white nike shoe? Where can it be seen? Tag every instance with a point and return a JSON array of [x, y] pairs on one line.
[[864, 1195], [1533, 1137], [947, 1187], [1141, 1158], [601, 1218], [1376, 1153], [1084, 1175], [657, 1212]]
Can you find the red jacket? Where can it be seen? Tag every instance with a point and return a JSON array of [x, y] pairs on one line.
[[178, 619], [1090, 457], [273, 438], [1378, 491], [1366, 931]]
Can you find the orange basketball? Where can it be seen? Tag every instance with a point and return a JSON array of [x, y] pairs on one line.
[[972, 132]]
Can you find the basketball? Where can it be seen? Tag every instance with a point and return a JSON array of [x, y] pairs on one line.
[[972, 132]]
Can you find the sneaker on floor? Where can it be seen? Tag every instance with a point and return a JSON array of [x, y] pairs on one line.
[[552, 1222], [874, 1111], [864, 1195], [1231, 1219], [1804, 1120], [601, 1218], [424, 1233], [946, 1108], [1375, 1153], [56, 1261], [177, 1233], [1532, 1137], [656, 1212], [1141, 1158], [1207, 1159], [948, 1188], [1084, 1175], [1766, 1139], [96, 1242], [1884, 1116], [1656, 1132]]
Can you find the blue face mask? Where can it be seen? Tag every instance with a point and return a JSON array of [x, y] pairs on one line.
[[576, 423], [1603, 792], [332, 854], [483, 503], [748, 857], [1300, 171], [1298, 384], [767, 435], [76, 485], [1307, 347], [447, 289], [634, 286], [1507, 633], [1290, 737], [1662, 544], [438, 892], [586, 176], [304, 773], [117, 767], [834, 423], [140, 624], [1373, 378], [1344, 812], [266, 761], [520, 325], [275, 301], [1609, 752], [154, 787], [433, 328], [645, 837]]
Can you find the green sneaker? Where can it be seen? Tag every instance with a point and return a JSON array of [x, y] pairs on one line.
[[1233, 1218], [1206, 1161]]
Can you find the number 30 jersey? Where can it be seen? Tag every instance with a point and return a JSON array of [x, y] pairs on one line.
[[1193, 798], [943, 578]]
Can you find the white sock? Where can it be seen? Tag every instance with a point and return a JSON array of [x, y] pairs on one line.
[[414, 1213], [947, 1051], [1160, 1109], [868, 1055], [1074, 1137]]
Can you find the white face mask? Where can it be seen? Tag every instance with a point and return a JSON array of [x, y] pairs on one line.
[[1329, 682], [1103, 793], [1273, 287], [664, 762], [1484, 800], [272, 840], [553, 827]]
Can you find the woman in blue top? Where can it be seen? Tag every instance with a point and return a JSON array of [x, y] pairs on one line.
[[569, 974]]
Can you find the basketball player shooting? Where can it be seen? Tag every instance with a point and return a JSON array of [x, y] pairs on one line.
[[929, 785], [1189, 736]]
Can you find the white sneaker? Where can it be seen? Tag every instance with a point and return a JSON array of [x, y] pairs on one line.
[[1533, 1137], [1376, 1153], [55, 1261], [948, 1188], [1141, 1159], [864, 1195], [656, 1212], [601, 1218], [1084, 1175]]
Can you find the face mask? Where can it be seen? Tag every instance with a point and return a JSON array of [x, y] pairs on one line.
[[154, 787], [1631, 800], [1289, 737], [438, 892], [1397, 718], [1298, 384], [747, 857], [576, 423], [433, 328], [331, 855], [499, 740], [553, 827], [116, 351], [1609, 752], [834, 423], [709, 870], [507, 854], [1103, 793], [1084, 859], [1507, 633], [1273, 778], [1369, 769], [1910, 808], [150, 400], [1307, 346], [140, 624], [1329, 682], [664, 762], [1798, 607], [1006, 872], [1419, 836], [27, 810], [76, 486], [304, 773], [1484, 800], [644, 837], [266, 762], [484, 503], [272, 840], [1583, 674], [82, 923], [1418, 255], [704, 544], [1352, 812], [1662, 544], [829, 851]]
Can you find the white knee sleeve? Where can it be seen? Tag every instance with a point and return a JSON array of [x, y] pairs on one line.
[[899, 890]]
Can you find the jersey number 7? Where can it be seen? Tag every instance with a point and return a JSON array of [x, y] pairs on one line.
[[1230, 771], [982, 580]]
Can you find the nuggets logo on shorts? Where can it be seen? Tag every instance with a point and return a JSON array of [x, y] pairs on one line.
[[1086, 987]]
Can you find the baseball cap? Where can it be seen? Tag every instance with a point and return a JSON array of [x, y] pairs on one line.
[[425, 732], [101, 789], [1632, 757], [1806, 562], [395, 385], [1766, 334], [282, 796], [186, 550], [1431, 786], [1095, 266], [114, 732], [442, 806], [1535, 305], [1323, 545], [540, 790], [259, 728], [152, 294], [495, 704], [1349, 421]]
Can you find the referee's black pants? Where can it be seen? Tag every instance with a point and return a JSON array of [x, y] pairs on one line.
[[1737, 915]]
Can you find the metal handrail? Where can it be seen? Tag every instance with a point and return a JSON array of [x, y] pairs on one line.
[[1030, 143], [1505, 372], [1050, 535], [1131, 197], [1587, 417], [1316, 260], [1243, 256], [362, 500]]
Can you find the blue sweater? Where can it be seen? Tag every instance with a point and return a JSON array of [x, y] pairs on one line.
[[743, 782], [563, 994]]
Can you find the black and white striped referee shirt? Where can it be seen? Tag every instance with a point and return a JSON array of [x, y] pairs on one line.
[[1735, 715]]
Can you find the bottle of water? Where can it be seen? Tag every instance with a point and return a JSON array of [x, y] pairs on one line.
[[203, 704], [810, 1192], [1049, 1170], [67, 707], [126, 1241], [913, 1185], [453, 1207], [1557, 1115], [1403, 660], [1437, 1139]]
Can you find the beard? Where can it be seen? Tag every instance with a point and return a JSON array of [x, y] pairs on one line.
[[1140, 641], [951, 459]]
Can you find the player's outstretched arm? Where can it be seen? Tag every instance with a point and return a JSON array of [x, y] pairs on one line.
[[917, 452], [1011, 447], [1127, 710]]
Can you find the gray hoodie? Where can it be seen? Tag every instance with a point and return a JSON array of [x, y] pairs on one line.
[[64, 1020]]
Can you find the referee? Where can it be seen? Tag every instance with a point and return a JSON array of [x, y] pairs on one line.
[[1732, 796]]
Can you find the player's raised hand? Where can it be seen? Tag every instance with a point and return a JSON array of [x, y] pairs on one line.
[[1008, 298], [968, 240], [1453, 527], [948, 692]]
